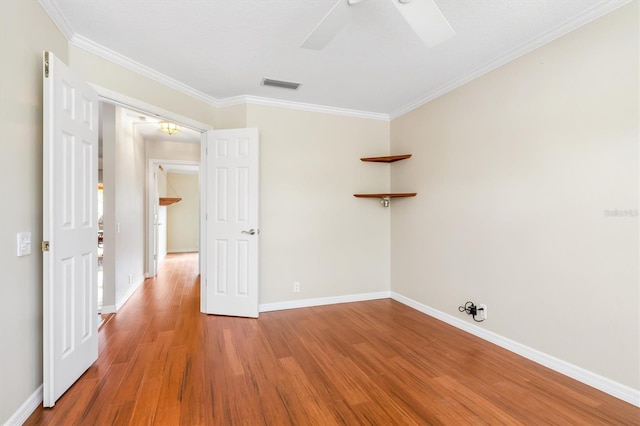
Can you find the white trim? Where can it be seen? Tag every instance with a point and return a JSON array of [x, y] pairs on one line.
[[186, 250], [57, 17], [306, 303], [202, 243], [618, 390], [134, 287], [301, 106], [116, 98], [526, 47], [115, 57], [26, 409]]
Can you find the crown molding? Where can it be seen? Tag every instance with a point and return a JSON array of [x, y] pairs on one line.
[[301, 106], [82, 42], [115, 57], [56, 15], [559, 31], [91, 46]]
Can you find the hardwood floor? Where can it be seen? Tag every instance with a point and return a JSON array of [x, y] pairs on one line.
[[376, 363]]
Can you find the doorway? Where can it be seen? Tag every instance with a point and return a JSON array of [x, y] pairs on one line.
[[173, 209], [128, 137]]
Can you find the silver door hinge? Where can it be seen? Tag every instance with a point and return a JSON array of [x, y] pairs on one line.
[[46, 64], [44, 246]]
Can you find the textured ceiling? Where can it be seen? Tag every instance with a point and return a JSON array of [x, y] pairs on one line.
[[224, 48]]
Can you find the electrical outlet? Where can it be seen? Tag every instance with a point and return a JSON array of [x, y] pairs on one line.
[[482, 311], [130, 278], [296, 287]]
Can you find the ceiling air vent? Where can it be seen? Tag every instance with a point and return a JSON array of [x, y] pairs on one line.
[[280, 83]]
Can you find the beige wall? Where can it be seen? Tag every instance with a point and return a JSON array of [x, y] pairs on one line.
[[514, 172], [168, 150], [231, 117], [109, 75], [21, 187], [183, 218], [312, 228]]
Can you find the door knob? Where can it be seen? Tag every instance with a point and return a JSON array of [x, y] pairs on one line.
[[251, 232]]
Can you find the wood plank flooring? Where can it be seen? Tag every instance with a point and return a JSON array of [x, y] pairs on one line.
[[162, 362]]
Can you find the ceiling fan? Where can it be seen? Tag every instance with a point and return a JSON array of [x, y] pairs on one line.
[[423, 16]]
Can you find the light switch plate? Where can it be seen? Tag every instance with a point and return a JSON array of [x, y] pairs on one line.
[[24, 243]]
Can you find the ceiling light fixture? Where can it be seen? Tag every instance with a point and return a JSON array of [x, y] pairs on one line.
[[169, 128]]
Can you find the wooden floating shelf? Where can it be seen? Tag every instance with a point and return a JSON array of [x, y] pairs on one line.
[[390, 195], [164, 201], [386, 159]]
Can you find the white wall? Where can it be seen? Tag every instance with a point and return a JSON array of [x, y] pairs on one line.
[[312, 228], [130, 202], [124, 206], [515, 172], [183, 217], [21, 188]]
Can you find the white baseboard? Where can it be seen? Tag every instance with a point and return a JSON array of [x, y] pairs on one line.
[[305, 303], [187, 250], [618, 390], [128, 294], [26, 409]]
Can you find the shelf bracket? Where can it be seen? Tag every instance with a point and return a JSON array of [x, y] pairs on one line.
[[385, 201]]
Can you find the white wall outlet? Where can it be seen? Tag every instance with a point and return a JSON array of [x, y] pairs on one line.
[[130, 278], [23, 244], [296, 286], [482, 311]]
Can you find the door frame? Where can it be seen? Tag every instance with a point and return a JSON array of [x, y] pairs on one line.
[[151, 188], [118, 99]]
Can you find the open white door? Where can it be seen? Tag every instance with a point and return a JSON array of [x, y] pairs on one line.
[[70, 228], [232, 222]]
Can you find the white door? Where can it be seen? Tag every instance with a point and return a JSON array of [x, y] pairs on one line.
[[232, 222], [70, 182]]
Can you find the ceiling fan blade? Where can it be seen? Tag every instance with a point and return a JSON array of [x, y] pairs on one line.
[[328, 27], [426, 20]]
